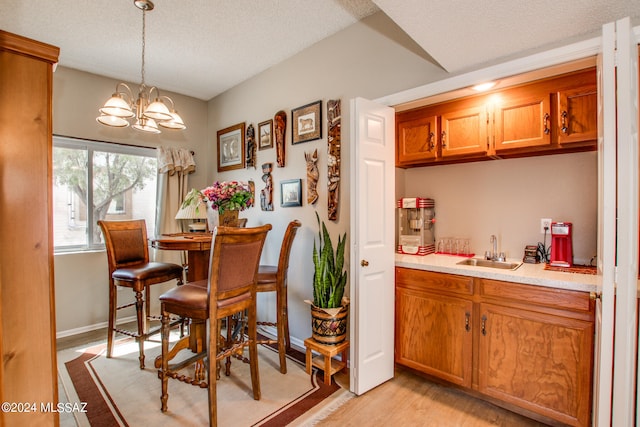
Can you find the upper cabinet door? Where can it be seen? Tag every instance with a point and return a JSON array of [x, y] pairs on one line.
[[464, 131], [417, 140], [577, 114], [522, 119]]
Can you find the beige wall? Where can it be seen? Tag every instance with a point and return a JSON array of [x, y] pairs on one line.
[[509, 197], [372, 58], [369, 59], [76, 98]]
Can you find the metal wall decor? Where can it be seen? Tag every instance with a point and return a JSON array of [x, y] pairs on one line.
[[291, 193], [312, 176], [333, 157], [251, 147], [266, 194], [231, 148], [280, 124], [306, 123]]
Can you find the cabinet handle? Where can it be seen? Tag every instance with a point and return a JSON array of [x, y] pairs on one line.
[[467, 321], [483, 328], [564, 128], [443, 139], [432, 138], [545, 123]]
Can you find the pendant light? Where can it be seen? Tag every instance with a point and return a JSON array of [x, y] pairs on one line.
[[148, 114]]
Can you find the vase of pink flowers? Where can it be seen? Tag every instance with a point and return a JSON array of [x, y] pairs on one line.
[[228, 198]]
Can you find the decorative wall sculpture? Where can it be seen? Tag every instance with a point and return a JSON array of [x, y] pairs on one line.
[[266, 194], [312, 176], [251, 147], [280, 124], [333, 157]]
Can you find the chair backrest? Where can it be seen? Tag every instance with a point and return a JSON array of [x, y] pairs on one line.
[[126, 242], [234, 260], [285, 249]]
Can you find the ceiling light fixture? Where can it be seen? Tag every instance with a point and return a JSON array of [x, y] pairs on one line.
[[121, 107], [482, 87]]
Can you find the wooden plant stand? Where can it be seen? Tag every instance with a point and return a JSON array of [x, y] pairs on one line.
[[325, 361]]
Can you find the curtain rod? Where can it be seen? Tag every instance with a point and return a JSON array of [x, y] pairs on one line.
[[193, 153]]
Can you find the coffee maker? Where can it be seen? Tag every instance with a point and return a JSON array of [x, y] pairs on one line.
[[561, 244]]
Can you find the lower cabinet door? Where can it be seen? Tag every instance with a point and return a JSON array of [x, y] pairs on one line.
[[537, 361], [433, 335]]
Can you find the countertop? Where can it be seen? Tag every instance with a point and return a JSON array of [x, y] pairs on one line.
[[529, 274]]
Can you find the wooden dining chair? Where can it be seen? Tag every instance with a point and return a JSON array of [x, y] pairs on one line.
[[129, 266], [273, 278], [230, 289]]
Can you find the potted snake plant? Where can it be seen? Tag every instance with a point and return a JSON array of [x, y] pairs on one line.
[[330, 308]]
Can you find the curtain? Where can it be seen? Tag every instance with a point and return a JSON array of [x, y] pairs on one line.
[[174, 167]]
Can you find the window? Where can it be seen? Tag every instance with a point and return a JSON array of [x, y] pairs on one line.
[[116, 181]]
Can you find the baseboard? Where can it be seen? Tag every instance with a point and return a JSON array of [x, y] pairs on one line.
[[89, 328]]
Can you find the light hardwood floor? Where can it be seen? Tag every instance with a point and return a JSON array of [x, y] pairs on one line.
[[410, 400], [407, 400]]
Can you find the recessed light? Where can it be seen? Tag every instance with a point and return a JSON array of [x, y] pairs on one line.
[[483, 86]]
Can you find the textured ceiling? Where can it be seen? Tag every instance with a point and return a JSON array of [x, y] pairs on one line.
[[201, 48], [462, 34]]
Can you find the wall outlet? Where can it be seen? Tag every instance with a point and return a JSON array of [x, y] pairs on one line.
[[545, 222]]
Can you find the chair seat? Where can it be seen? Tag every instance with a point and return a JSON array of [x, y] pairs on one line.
[[191, 300], [149, 272], [267, 278]]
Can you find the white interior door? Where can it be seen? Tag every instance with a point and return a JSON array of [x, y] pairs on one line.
[[626, 332], [615, 371], [603, 372], [372, 243]]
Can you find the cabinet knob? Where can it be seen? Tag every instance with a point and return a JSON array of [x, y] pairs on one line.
[[364, 263]]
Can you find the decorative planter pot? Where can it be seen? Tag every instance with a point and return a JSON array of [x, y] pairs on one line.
[[229, 218], [329, 326]]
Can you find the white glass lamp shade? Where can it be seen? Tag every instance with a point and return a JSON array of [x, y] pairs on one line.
[[117, 106], [175, 122], [146, 125], [157, 111], [113, 121]]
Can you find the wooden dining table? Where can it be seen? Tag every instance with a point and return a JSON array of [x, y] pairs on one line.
[[197, 245]]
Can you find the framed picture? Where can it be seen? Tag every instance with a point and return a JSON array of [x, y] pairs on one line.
[[306, 123], [231, 148], [291, 193], [265, 135]]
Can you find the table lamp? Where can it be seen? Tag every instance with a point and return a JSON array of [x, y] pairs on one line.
[[197, 212]]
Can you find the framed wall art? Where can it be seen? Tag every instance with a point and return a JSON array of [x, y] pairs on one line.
[[265, 135], [231, 148], [291, 193], [306, 123]]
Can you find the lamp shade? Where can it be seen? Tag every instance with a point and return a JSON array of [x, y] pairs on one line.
[[146, 125], [192, 211], [176, 122], [157, 111], [117, 106]]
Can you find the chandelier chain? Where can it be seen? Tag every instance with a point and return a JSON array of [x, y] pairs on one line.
[[144, 13]]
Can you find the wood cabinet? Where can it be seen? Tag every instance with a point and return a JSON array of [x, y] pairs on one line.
[[529, 348], [441, 346], [28, 372], [549, 116]]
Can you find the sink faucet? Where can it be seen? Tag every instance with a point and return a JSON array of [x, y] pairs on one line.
[[493, 255], [494, 252]]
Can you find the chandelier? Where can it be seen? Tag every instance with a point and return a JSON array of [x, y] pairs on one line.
[[122, 107]]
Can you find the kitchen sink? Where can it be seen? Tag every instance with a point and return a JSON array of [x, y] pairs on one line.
[[479, 262]]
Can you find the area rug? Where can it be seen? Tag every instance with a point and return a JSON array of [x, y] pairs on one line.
[[118, 393]]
